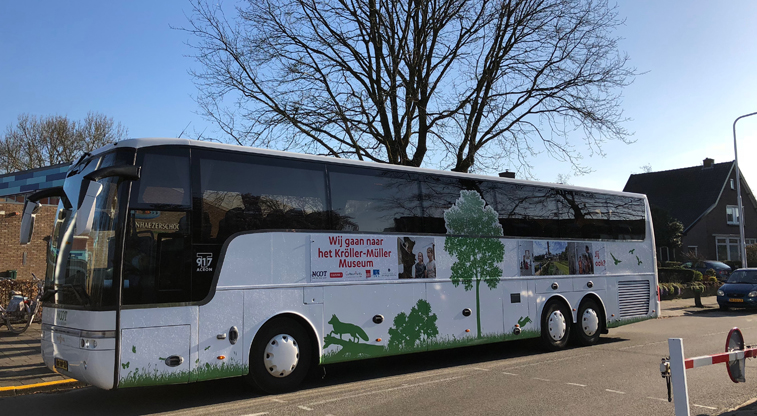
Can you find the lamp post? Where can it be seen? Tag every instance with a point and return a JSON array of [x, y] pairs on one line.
[[742, 245]]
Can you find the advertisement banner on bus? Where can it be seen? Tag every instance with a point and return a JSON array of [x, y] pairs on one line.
[[352, 257]]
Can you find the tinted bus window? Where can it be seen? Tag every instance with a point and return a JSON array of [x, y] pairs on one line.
[[371, 200], [164, 179], [527, 211], [440, 193], [248, 192]]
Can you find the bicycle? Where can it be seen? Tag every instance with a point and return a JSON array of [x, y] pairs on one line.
[[21, 310]]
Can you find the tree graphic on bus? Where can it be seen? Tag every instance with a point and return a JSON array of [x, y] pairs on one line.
[[478, 258]]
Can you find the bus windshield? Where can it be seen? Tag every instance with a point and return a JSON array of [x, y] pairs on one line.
[[80, 269]]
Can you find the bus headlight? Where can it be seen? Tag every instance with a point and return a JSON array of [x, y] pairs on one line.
[[88, 344], [721, 293]]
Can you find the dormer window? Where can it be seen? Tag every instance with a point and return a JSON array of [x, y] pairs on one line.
[[732, 215], [732, 184]]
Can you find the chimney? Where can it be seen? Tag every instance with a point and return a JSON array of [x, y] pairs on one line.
[[707, 163], [507, 174]]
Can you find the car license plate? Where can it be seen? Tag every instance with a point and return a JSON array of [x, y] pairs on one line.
[[62, 364], [735, 300]]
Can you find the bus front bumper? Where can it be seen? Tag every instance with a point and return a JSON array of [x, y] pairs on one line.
[[88, 359]]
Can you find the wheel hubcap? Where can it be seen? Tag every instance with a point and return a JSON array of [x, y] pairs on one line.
[[590, 322], [556, 325], [281, 355]]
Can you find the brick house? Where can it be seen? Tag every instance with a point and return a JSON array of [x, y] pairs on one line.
[[704, 199], [14, 187]]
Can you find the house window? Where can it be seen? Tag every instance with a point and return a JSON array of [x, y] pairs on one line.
[[732, 185], [750, 241], [727, 248], [732, 215], [693, 250]]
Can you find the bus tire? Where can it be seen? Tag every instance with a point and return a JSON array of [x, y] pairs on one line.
[[280, 356], [588, 324], [556, 325]]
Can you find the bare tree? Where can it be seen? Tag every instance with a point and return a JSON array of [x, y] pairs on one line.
[[35, 142], [461, 82]]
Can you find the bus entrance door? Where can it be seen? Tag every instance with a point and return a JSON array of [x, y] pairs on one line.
[[221, 341]]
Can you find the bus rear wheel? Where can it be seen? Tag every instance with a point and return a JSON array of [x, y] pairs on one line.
[[589, 323], [555, 325], [280, 356]]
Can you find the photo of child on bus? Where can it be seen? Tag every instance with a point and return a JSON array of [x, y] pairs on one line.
[[416, 258]]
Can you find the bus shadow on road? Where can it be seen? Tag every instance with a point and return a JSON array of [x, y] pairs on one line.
[[481, 355], [228, 392]]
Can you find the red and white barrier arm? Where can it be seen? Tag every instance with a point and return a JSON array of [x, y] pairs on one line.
[[720, 358]]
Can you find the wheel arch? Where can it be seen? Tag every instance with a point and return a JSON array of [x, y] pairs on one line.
[[556, 298], [303, 321], [593, 296]]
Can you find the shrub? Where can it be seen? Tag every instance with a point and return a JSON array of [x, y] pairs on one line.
[[697, 277], [712, 278], [673, 264], [709, 272], [676, 275]]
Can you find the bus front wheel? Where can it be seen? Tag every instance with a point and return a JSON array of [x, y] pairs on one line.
[[280, 356], [555, 325]]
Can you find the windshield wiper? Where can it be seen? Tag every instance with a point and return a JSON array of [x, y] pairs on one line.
[[82, 296]]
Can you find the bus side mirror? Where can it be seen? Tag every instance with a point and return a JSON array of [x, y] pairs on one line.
[[86, 211], [27, 221]]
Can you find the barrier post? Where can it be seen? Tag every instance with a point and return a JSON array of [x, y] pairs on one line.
[[678, 376]]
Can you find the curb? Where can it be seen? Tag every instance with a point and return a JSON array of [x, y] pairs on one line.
[[41, 387]]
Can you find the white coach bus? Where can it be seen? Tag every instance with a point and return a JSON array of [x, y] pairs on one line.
[[208, 261]]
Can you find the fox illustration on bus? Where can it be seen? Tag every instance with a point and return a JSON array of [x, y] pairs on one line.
[[339, 328]]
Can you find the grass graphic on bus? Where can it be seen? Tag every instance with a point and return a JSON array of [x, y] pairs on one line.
[[411, 332], [153, 376], [478, 259]]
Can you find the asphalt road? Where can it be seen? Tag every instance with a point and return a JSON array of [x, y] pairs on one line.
[[620, 376]]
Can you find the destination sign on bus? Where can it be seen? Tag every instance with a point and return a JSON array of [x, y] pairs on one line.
[[352, 257]]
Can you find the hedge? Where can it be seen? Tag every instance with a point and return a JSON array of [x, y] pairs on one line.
[[676, 275]]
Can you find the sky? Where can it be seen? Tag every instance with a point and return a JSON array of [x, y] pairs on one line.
[[697, 62]]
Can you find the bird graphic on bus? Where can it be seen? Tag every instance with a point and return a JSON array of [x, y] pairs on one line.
[[615, 260]]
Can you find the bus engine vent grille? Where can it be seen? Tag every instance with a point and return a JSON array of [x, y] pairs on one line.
[[633, 298]]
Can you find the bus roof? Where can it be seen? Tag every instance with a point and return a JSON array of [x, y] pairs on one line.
[[152, 142]]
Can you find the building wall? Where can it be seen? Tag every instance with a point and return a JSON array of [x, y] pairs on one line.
[[714, 223], [12, 253]]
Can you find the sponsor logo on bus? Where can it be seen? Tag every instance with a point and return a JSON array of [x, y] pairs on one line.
[[335, 275], [319, 273]]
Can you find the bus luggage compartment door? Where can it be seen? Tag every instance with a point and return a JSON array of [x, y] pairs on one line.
[[222, 346], [154, 355]]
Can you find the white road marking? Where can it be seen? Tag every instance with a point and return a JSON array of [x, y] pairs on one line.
[[657, 398], [278, 401], [480, 369], [642, 345], [257, 414], [305, 408], [404, 386], [576, 384], [615, 391], [704, 407], [541, 379], [509, 374]]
